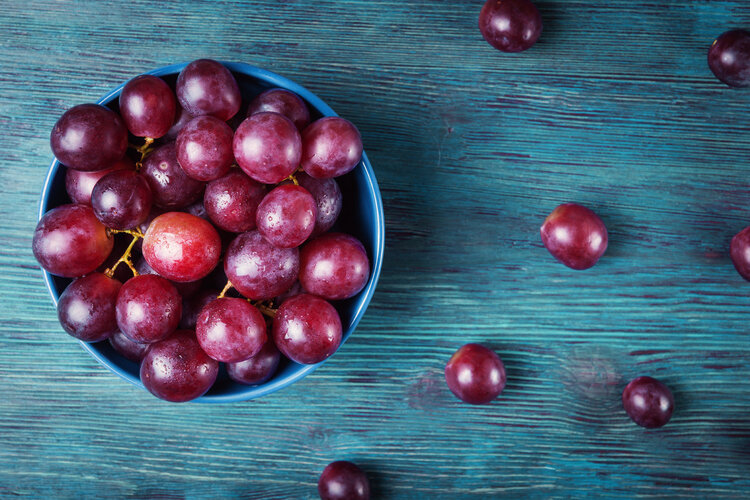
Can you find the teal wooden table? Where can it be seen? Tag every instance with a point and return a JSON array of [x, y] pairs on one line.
[[614, 108]]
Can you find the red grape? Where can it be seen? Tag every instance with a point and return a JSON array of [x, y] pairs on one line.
[[79, 184], [729, 58], [232, 201], [204, 148], [284, 103], [475, 374], [259, 270], [170, 185], [89, 137], [181, 247], [331, 147], [267, 146], [510, 25], [334, 266], [176, 369], [343, 480], [648, 402], [231, 330], [257, 369], [147, 106], [70, 241], [148, 308], [192, 307], [87, 307], [206, 87], [286, 216], [328, 200], [307, 329], [181, 119], [121, 199], [186, 289], [134, 351], [575, 236], [739, 250]]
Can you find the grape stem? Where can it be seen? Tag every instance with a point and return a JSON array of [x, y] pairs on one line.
[[144, 151], [225, 290], [137, 235], [293, 179], [265, 309]]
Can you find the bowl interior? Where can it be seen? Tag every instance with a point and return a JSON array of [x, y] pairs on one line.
[[361, 216]]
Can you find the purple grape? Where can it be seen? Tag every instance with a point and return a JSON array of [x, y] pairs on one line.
[[181, 119], [729, 58], [475, 374], [148, 308], [286, 216], [259, 270], [267, 146], [171, 187], [328, 201], [575, 236], [70, 241], [176, 369], [648, 402], [232, 201], [510, 25], [121, 199], [133, 351], [334, 266], [331, 147], [192, 307], [89, 137], [204, 148], [231, 330], [87, 307], [206, 87], [284, 103], [307, 329], [257, 369], [186, 290], [79, 184], [343, 480], [147, 106], [739, 250]]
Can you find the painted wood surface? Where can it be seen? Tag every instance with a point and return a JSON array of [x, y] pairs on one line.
[[614, 108]]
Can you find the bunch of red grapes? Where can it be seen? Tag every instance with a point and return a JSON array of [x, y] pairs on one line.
[[261, 199]]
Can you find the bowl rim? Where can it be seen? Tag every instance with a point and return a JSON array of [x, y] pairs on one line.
[[275, 384]]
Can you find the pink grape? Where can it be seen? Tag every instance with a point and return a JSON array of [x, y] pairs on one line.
[[231, 330], [204, 148], [267, 146], [286, 216]]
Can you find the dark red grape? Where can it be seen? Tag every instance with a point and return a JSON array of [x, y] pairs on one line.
[[171, 187], [181, 119], [147, 106], [121, 199], [331, 147], [739, 250], [186, 289], [328, 200], [343, 480], [284, 103], [89, 137], [729, 58], [198, 210], [134, 351], [79, 184], [87, 307], [575, 236], [148, 308], [258, 369], [192, 307], [176, 369], [231, 330], [510, 25], [70, 241], [181, 247], [286, 216], [648, 402], [204, 148], [232, 201], [475, 374], [259, 270], [307, 329], [267, 146], [334, 266], [206, 87]]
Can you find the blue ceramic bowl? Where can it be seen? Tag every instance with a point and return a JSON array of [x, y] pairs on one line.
[[361, 216]]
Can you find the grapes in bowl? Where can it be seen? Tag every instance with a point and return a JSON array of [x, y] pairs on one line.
[[253, 203]]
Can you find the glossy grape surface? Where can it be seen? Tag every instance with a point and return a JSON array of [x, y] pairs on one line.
[[206, 87], [259, 270], [510, 25], [181, 247], [328, 200], [79, 184], [575, 236], [331, 147], [89, 137], [133, 351], [729, 58], [739, 251], [231, 202], [121, 199], [475, 374], [204, 148], [147, 106], [307, 329], [86, 308], [170, 186], [257, 369], [283, 102], [176, 369], [286, 216], [648, 402], [231, 330], [334, 266], [148, 308], [70, 241], [267, 146], [192, 307], [343, 480]]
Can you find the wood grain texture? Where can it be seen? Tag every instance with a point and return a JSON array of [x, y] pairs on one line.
[[614, 108]]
